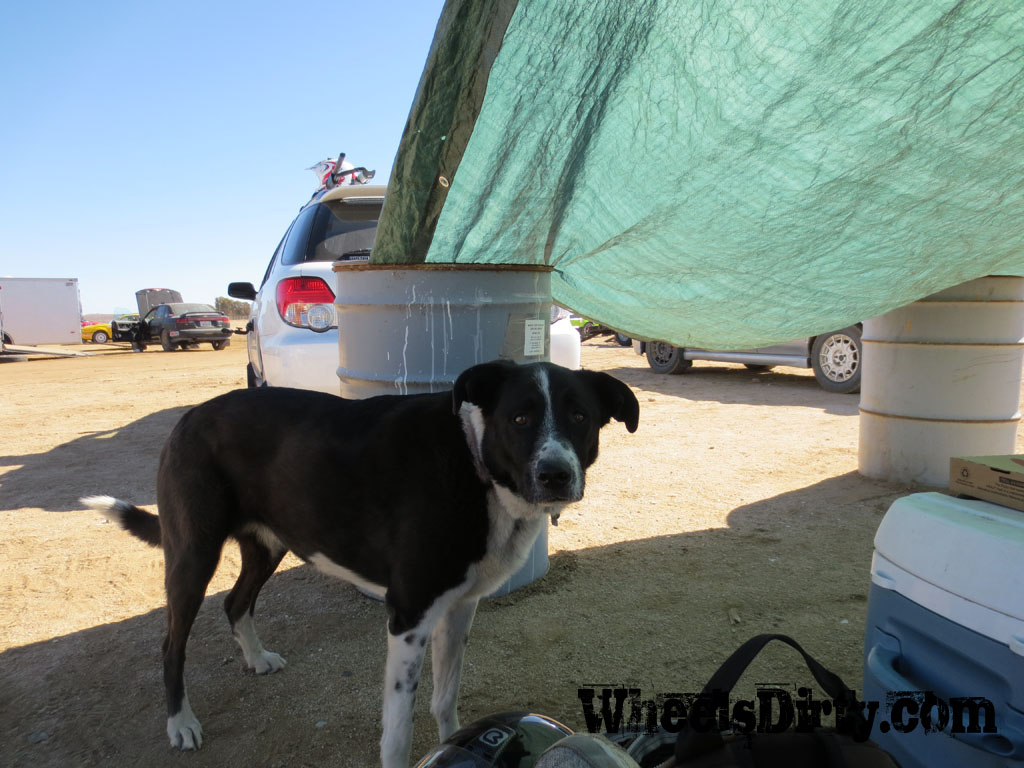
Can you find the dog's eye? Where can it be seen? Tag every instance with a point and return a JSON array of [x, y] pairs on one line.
[[579, 417], [521, 420]]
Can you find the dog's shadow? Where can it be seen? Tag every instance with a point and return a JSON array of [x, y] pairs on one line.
[[120, 462]]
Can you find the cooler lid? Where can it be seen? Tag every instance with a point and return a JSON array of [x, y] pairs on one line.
[[963, 559]]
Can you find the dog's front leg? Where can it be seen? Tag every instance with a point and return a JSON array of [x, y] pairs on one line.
[[401, 679], [447, 645]]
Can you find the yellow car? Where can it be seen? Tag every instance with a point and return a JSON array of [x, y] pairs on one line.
[[97, 333]]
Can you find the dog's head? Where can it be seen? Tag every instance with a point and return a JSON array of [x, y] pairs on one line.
[[534, 428]]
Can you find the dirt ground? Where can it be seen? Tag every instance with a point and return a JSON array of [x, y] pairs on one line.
[[735, 509]]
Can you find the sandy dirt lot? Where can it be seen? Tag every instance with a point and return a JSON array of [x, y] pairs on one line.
[[735, 509]]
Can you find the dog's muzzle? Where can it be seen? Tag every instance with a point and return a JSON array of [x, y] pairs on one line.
[[555, 481]]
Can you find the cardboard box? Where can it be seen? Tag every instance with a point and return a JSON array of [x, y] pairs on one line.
[[999, 479]]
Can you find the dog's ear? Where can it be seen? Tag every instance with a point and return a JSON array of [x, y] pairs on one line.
[[617, 400], [480, 384]]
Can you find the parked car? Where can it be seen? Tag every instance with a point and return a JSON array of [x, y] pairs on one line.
[[292, 332], [834, 357], [186, 325], [97, 333], [588, 329], [122, 327]]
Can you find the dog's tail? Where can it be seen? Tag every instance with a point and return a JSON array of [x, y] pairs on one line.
[[138, 522]]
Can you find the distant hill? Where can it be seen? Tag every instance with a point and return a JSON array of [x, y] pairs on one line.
[[94, 318]]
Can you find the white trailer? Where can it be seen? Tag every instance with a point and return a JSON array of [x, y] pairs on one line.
[[40, 310]]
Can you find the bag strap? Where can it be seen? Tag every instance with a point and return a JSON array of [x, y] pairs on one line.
[[692, 743], [729, 673]]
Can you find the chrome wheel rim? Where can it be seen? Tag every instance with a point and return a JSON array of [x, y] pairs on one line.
[[661, 352], [839, 358]]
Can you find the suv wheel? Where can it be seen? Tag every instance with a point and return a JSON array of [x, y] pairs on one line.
[[835, 358], [219, 344], [165, 341], [664, 358], [250, 378], [100, 337]]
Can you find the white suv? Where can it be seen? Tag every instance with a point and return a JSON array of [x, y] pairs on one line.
[[292, 333]]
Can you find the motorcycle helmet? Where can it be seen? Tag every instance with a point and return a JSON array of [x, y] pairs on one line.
[[587, 750], [505, 740]]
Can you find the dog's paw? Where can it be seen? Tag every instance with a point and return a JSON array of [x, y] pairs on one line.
[[184, 730], [267, 663]]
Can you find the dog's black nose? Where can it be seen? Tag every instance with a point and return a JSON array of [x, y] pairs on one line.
[[554, 476]]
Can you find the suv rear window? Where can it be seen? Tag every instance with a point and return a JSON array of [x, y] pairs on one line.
[[340, 230]]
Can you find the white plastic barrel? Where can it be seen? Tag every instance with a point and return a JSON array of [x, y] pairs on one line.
[[414, 328], [942, 378]]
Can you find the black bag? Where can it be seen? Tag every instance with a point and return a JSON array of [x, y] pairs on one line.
[[819, 747]]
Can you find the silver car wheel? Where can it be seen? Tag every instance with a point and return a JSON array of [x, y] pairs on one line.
[[839, 357], [661, 352], [665, 358]]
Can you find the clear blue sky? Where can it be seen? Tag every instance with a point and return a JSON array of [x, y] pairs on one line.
[[164, 144]]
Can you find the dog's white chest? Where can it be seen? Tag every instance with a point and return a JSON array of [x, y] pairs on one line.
[[509, 541]]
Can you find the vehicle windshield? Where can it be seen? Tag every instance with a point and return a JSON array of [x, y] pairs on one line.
[[343, 229]]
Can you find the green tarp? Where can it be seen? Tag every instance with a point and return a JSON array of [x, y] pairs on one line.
[[724, 173]]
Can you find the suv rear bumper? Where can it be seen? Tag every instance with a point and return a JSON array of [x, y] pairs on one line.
[[306, 360]]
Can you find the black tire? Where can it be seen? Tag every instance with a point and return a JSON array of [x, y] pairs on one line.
[[218, 345], [588, 331], [166, 343], [664, 358], [100, 337], [836, 360], [251, 380], [623, 340]]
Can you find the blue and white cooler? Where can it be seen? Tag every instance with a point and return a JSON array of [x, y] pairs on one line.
[[946, 616]]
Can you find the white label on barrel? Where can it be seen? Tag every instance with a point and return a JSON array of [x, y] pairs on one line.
[[533, 343]]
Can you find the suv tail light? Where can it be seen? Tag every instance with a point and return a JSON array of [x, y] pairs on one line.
[[306, 302]]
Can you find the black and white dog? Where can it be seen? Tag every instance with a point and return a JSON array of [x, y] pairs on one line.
[[431, 500]]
